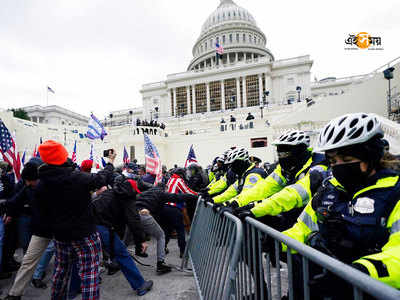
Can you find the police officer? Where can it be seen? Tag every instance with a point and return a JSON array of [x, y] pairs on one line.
[[354, 216], [248, 175], [287, 189]]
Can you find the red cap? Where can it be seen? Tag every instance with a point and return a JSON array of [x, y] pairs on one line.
[[134, 185], [53, 153], [86, 165]]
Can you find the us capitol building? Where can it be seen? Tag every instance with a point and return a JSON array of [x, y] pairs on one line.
[[247, 79]]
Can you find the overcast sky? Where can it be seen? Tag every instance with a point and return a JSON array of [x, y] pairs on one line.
[[96, 54]]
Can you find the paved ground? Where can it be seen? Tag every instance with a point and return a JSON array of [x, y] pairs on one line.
[[175, 285]]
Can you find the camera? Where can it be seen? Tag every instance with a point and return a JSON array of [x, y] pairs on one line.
[[107, 152]]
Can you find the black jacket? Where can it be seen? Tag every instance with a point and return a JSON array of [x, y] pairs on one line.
[[64, 196], [116, 208], [155, 198]]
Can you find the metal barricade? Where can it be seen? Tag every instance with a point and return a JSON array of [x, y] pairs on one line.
[[228, 263], [272, 275], [213, 249]]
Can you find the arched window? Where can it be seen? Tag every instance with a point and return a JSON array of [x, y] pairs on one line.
[[244, 37], [237, 37], [201, 48], [223, 39], [250, 40], [255, 40], [229, 15], [205, 45], [234, 13], [230, 38], [217, 39]]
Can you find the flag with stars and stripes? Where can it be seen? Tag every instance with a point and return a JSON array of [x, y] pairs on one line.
[[125, 158], [8, 149], [191, 158], [152, 159]]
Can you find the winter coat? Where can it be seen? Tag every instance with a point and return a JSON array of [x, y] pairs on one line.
[[116, 209], [64, 196]]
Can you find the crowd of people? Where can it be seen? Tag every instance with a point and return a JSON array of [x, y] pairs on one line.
[[87, 218], [342, 198], [152, 123]]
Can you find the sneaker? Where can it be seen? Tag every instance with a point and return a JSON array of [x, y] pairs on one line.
[[9, 297], [140, 253], [146, 286], [163, 268], [39, 284]]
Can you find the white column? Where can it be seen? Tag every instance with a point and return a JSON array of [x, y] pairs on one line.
[[244, 92], [260, 88], [228, 59], [208, 96], [223, 95], [252, 57], [188, 99], [193, 99], [238, 92], [175, 108], [236, 57]]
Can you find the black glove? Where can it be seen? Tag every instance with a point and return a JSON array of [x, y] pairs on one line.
[[244, 211], [207, 199], [232, 204], [224, 209], [204, 192], [267, 244]]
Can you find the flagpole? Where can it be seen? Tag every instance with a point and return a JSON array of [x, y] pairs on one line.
[[47, 96]]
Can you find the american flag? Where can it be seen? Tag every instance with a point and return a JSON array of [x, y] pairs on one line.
[[152, 159], [191, 158], [74, 154], [126, 157], [8, 149]]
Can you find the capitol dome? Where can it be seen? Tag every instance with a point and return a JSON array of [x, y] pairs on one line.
[[236, 30]]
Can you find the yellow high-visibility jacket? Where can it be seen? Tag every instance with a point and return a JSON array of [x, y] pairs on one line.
[[366, 204], [275, 194], [248, 180]]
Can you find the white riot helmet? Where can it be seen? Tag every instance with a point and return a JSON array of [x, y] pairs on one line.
[[349, 130], [237, 154], [293, 138]]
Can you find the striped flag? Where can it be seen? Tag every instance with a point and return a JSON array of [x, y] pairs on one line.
[[125, 157], [191, 158], [95, 129], [103, 162], [8, 149], [74, 154], [36, 153], [152, 159]]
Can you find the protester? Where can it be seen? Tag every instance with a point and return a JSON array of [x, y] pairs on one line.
[[71, 222], [113, 210]]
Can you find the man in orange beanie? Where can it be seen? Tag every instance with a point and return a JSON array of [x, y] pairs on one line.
[[65, 196], [86, 165]]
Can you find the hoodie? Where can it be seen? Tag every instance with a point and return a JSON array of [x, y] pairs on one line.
[[64, 195]]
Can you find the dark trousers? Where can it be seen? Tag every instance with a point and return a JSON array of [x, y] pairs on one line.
[[172, 219]]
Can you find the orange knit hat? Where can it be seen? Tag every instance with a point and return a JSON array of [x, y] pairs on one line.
[[53, 153]]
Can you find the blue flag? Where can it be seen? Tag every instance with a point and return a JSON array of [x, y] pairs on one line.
[[95, 129]]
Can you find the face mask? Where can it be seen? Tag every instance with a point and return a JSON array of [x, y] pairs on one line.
[[350, 176], [288, 163], [239, 167]]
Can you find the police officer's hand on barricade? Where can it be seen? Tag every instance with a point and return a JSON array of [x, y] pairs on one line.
[[217, 206], [224, 209], [244, 211]]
